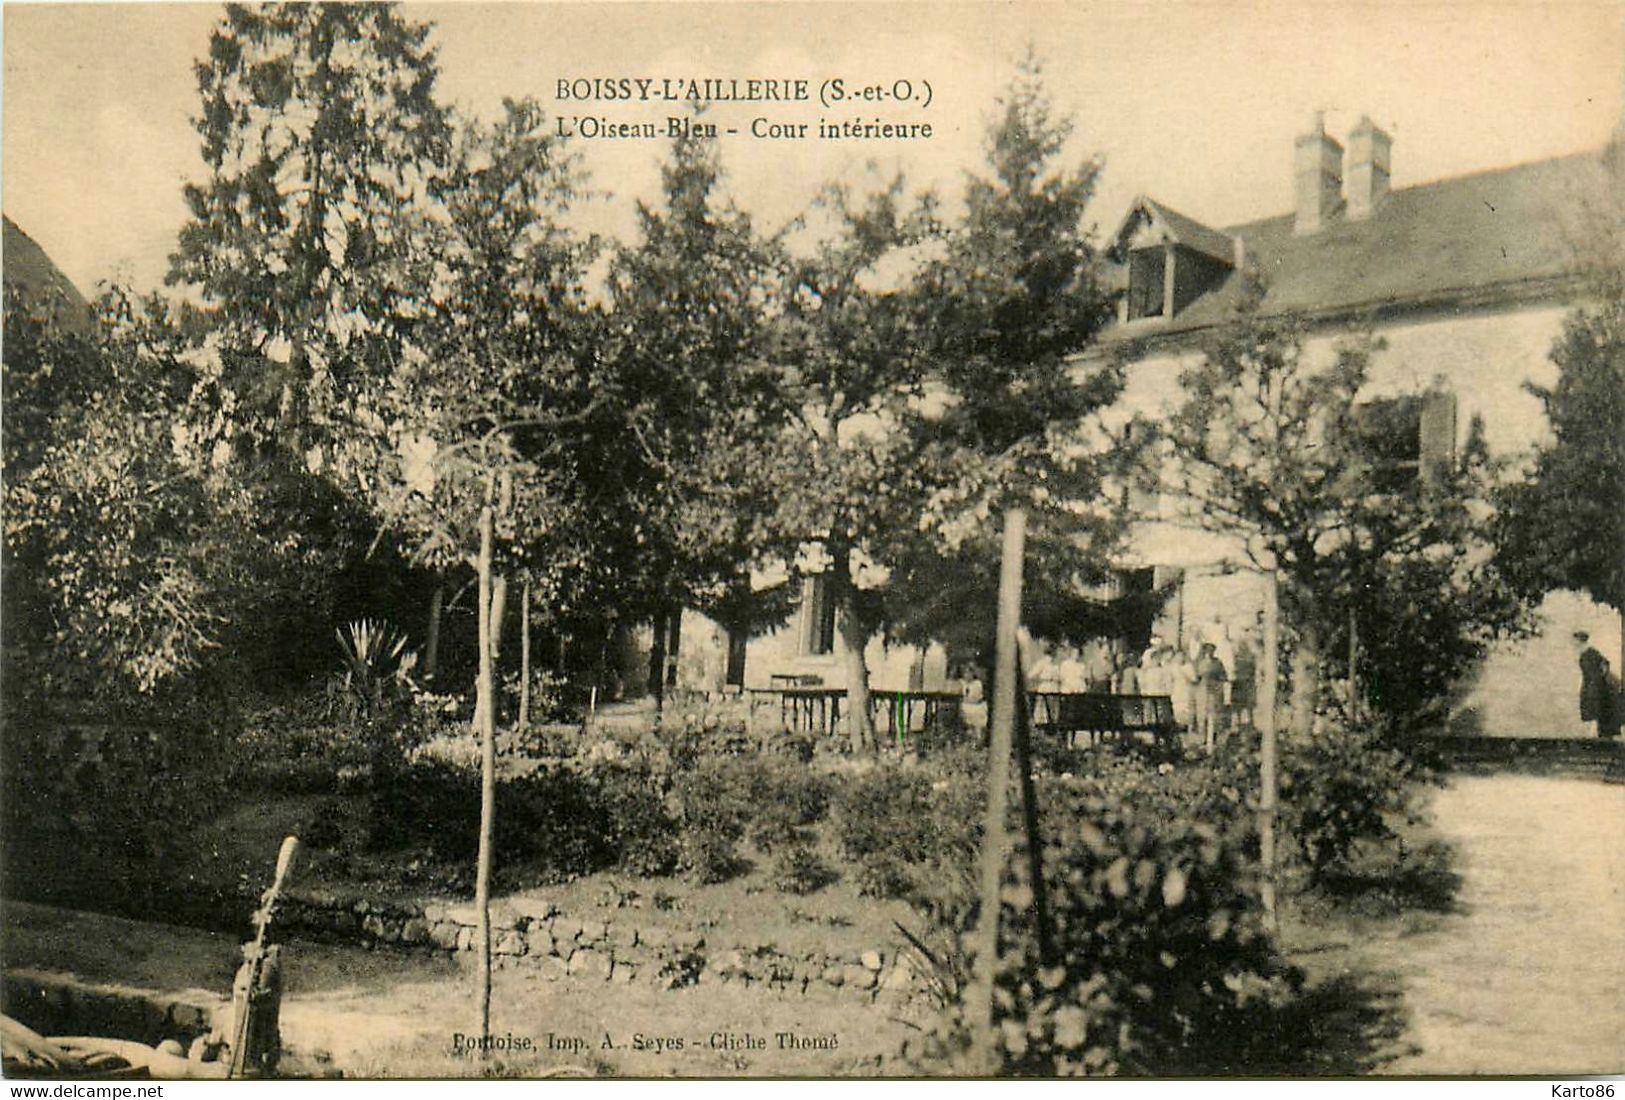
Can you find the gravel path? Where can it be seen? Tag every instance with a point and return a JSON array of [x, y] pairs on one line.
[[1528, 977]]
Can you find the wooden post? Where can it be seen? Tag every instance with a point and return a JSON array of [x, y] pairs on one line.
[[1354, 658], [524, 655], [1029, 815], [488, 766], [1268, 719], [995, 843], [431, 648]]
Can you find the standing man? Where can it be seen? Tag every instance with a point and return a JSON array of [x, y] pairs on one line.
[[1597, 702]]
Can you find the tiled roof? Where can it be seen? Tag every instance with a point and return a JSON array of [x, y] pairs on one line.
[[47, 291], [1179, 229], [1500, 236]]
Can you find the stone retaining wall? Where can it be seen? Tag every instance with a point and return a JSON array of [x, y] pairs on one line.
[[534, 932]]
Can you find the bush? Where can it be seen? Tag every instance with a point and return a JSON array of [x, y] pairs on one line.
[[123, 787], [555, 817], [1159, 964], [723, 799], [1339, 790], [642, 830], [715, 805], [897, 824], [786, 798], [799, 870]]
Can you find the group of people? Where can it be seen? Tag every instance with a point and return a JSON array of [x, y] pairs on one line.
[[1210, 681]]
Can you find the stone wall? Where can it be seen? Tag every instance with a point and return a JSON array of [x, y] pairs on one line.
[[533, 932]]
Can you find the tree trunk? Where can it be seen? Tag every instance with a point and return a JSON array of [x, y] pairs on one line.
[[853, 641], [1354, 663], [487, 731], [524, 655], [657, 659], [1305, 679], [499, 614], [1267, 718], [431, 648], [738, 647], [674, 641], [492, 641]]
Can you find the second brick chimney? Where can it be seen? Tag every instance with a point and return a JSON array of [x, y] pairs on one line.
[[1317, 177], [1369, 151]]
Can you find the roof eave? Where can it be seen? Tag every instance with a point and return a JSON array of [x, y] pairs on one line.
[[1514, 293]]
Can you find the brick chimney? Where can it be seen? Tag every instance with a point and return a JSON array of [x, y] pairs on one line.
[[1317, 175], [1369, 150]]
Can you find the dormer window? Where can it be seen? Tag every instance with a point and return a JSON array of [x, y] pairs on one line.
[[1170, 260]]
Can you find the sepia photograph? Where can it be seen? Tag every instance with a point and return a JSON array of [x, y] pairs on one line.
[[813, 540]]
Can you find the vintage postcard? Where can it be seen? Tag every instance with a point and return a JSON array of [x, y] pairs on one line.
[[813, 540]]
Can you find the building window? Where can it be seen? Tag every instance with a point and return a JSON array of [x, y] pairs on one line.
[[1147, 282], [817, 617], [1387, 434], [1406, 438]]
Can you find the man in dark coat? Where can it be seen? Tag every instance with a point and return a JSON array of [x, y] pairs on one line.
[[1597, 702]]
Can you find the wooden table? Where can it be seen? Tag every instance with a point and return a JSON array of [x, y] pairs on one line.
[[816, 709], [900, 707], [1099, 713]]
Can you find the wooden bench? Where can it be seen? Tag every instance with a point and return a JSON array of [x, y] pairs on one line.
[[1098, 714]]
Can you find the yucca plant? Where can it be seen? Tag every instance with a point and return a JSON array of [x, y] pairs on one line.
[[377, 664]]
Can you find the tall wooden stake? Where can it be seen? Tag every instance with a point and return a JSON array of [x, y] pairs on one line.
[[1354, 663], [524, 655], [1268, 721], [431, 648], [995, 844], [1029, 818], [488, 770]]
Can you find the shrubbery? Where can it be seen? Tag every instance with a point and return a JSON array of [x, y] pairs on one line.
[[1342, 788], [897, 824], [565, 820], [799, 870], [724, 799], [1159, 962], [715, 802]]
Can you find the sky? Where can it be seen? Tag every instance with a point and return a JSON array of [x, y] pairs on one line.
[[1196, 104]]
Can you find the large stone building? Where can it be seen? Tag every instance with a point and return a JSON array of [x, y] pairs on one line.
[[1466, 281]]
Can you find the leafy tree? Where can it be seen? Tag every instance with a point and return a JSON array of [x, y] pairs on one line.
[[481, 416], [132, 558], [844, 465], [488, 402], [1276, 450], [688, 379], [321, 136], [1563, 525], [1016, 292]]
